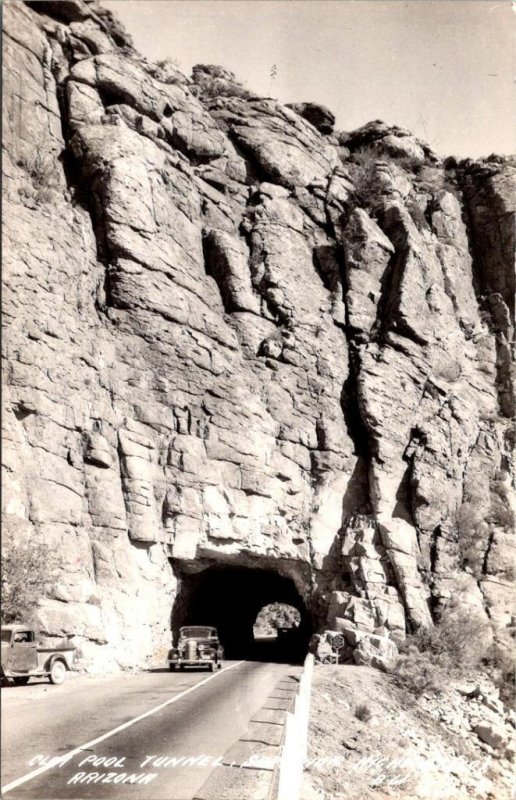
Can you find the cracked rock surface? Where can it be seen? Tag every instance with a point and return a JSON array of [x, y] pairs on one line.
[[235, 334]]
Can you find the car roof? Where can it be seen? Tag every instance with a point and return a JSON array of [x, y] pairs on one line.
[[197, 627], [18, 627]]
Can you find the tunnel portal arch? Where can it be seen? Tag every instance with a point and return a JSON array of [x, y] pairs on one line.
[[230, 598]]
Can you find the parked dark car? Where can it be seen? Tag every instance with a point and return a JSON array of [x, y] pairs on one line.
[[198, 646]]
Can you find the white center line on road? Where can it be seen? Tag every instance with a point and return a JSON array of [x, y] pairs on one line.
[[68, 756]]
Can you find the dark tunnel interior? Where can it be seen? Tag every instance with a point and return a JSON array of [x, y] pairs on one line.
[[230, 598]]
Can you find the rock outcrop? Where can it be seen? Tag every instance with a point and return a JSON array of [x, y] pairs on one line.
[[236, 336]]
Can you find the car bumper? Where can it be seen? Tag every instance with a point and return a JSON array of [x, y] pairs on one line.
[[192, 663]]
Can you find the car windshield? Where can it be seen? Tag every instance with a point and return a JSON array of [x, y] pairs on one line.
[[6, 636], [197, 632]]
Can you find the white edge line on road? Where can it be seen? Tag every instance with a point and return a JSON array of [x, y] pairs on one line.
[[68, 756]]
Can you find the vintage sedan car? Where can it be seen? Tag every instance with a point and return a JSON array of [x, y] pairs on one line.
[[23, 657], [198, 646]]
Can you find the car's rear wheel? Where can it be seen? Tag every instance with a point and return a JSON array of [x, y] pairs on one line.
[[57, 673], [219, 665], [172, 667], [22, 681]]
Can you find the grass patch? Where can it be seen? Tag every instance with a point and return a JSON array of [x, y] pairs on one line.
[[363, 712]]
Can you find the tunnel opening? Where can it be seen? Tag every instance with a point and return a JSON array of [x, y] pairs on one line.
[[276, 632], [231, 598]]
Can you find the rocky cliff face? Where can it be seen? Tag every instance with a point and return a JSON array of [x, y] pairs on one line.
[[236, 337]]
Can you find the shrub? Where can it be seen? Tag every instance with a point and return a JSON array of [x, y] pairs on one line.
[[167, 63], [409, 163], [212, 81], [458, 642], [391, 778], [26, 572], [472, 530], [363, 712], [419, 673], [500, 664], [220, 88], [168, 71], [42, 173], [500, 513], [40, 168], [363, 169]]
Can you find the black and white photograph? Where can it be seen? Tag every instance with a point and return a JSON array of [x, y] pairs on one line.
[[258, 440]]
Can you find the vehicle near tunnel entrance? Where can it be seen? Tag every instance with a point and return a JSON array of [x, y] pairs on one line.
[[198, 646], [230, 598]]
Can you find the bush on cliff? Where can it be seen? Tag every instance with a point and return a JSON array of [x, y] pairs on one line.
[[363, 169], [42, 177], [26, 572], [456, 645], [210, 82], [500, 664]]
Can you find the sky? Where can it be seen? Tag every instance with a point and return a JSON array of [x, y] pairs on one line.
[[442, 68]]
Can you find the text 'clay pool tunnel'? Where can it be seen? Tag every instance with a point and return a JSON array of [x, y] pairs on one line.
[[230, 598]]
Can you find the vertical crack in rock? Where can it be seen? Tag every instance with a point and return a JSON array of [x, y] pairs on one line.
[[489, 209]]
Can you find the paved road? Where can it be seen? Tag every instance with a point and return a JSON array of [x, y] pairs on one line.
[[188, 714]]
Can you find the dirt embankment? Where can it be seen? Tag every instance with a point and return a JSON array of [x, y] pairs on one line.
[[370, 739]]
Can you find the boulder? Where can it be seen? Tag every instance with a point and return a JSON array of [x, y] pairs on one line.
[[318, 116], [493, 735], [376, 651]]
